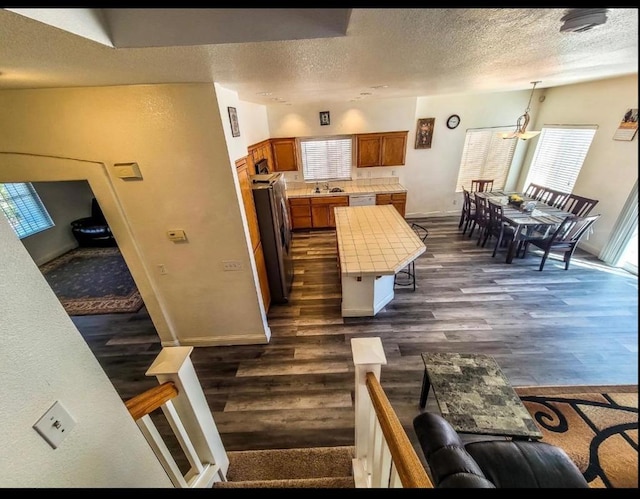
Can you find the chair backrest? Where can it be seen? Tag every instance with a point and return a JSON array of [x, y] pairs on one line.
[[482, 215], [553, 197], [481, 185], [466, 203], [571, 230], [534, 191], [579, 205], [495, 215], [421, 231]]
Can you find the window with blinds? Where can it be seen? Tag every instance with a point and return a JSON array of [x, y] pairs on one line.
[[23, 208], [485, 156], [559, 156], [326, 158]]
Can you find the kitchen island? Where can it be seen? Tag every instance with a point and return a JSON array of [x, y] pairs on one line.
[[374, 243]]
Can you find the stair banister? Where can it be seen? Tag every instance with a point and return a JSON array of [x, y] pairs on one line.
[[384, 456], [174, 364]]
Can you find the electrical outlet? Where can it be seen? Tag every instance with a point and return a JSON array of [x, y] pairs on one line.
[[455, 201], [55, 424], [393, 173], [162, 269], [231, 265], [295, 177]]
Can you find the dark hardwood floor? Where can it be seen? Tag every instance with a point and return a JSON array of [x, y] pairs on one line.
[[555, 327]]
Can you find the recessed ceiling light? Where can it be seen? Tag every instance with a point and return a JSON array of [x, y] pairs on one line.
[[265, 94], [365, 93], [380, 86]]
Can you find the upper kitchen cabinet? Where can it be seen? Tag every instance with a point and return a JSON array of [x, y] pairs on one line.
[[285, 158], [259, 151], [381, 149]]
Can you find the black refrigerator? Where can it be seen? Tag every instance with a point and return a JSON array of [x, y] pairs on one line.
[[270, 197]]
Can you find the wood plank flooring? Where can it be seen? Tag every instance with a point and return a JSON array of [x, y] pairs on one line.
[[555, 327]]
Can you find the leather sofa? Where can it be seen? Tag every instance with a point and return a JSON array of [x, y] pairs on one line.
[[498, 463], [93, 230]]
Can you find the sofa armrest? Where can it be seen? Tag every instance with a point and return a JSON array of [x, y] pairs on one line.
[[449, 462]]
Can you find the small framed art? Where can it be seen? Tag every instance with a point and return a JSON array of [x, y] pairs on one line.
[[325, 118], [424, 133], [233, 118]]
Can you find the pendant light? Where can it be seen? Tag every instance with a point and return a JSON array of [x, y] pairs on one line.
[[521, 125]]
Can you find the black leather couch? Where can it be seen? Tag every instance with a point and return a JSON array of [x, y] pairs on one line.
[[93, 230], [492, 463]]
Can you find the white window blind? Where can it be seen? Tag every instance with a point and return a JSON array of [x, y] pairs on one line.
[[326, 158], [559, 156], [485, 156], [23, 208]]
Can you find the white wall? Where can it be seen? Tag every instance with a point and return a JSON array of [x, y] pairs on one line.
[[253, 122], [429, 174], [65, 202], [43, 359], [175, 134], [610, 169]]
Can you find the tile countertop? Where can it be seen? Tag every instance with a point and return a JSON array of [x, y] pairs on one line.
[[364, 186], [374, 240]]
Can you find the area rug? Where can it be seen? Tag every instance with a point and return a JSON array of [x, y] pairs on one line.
[[596, 427], [93, 281]]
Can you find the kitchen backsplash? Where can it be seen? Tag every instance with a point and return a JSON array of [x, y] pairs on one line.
[[344, 183]]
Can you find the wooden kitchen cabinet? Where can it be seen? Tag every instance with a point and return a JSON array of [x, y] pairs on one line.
[[381, 149], [261, 150], [397, 199], [242, 170], [300, 210], [285, 157], [322, 215]]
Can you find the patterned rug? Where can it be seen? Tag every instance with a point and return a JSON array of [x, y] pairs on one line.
[[92, 281], [598, 429]]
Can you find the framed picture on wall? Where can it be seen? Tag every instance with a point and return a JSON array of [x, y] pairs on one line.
[[233, 118], [424, 133], [325, 118]]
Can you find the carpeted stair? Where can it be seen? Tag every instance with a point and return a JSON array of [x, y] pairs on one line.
[[319, 467]]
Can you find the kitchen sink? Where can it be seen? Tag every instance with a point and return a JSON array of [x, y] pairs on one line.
[[337, 189]]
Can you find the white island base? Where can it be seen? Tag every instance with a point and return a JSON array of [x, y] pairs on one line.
[[374, 243], [365, 296]]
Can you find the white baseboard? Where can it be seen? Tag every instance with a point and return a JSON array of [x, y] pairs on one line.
[[55, 254]]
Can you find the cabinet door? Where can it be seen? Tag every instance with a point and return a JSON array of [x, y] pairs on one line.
[[383, 198], [300, 209], [339, 201], [284, 155], [261, 265], [369, 148], [247, 199], [320, 216], [394, 147]]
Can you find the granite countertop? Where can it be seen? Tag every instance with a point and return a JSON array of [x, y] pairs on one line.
[[374, 240], [301, 189]]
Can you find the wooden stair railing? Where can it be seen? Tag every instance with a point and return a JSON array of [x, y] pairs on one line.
[[384, 455], [410, 470]]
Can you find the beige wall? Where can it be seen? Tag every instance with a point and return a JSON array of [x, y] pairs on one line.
[[43, 359], [175, 134], [610, 168]]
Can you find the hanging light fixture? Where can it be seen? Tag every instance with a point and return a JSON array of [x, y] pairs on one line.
[[521, 125]]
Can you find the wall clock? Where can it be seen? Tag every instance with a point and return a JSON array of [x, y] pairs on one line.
[[453, 121]]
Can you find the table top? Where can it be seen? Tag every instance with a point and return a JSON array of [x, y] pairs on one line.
[[374, 240], [542, 214], [474, 396]]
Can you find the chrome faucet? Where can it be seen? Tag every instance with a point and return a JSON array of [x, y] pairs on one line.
[[326, 186]]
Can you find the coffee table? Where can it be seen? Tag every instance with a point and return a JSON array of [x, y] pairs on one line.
[[474, 395]]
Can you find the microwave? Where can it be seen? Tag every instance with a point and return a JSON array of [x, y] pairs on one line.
[[262, 167]]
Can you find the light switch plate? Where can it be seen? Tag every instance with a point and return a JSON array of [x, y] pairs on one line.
[[55, 424], [176, 235]]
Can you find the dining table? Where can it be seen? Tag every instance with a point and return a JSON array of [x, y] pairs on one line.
[[543, 219]]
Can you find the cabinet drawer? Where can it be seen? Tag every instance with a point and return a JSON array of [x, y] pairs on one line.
[[383, 198], [399, 196], [299, 201], [330, 200]]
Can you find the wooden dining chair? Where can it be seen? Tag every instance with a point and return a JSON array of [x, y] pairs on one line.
[[497, 227], [482, 185], [481, 219], [468, 210], [534, 191], [578, 205], [565, 239], [553, 197]]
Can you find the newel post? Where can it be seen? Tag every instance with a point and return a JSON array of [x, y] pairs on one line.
[[368, 356], [174, 364]]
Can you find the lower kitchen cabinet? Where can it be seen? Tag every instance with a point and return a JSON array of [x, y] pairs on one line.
[[261, 265], [322, 210], [300, 210], [397, 199]]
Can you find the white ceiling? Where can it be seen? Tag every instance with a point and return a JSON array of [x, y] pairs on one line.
[[313, 55]]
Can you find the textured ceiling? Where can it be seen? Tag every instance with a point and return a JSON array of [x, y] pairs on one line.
[[415, 52]]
